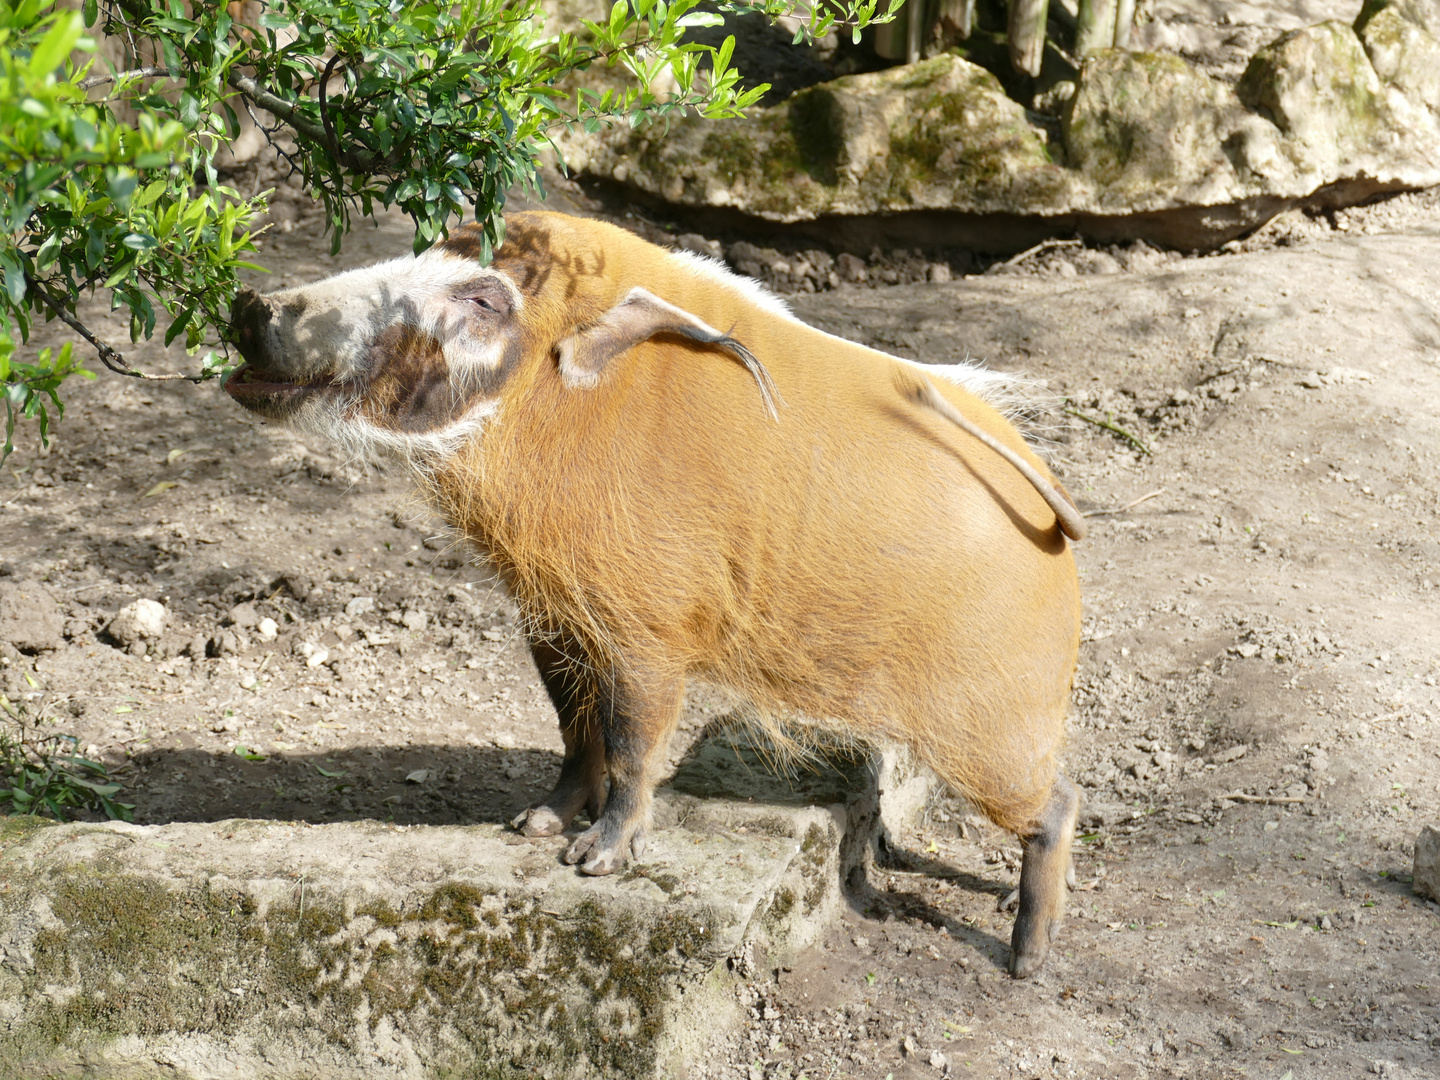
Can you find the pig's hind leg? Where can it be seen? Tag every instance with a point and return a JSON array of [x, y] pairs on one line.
[[577, 699], [1044, 879]]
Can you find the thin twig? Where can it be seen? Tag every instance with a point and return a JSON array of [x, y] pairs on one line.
[[92, 81], [1127, 506], [1110, 426], [329, 125], [1268, 800], [1042, 246], [108, 356]]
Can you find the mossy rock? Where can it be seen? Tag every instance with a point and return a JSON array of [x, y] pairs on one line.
[[940, 134], [1142, 124], [1404, 49], [1317, 86], [281, 951]]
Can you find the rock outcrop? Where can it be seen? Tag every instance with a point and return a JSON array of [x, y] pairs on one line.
[[287, 951], [1147, 146]]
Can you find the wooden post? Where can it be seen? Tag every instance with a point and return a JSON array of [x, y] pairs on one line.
[[1124, 22], [1095, 29], [956, 18], [891, 38], [1027, 34]]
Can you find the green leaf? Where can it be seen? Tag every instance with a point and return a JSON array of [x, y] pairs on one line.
[[14, 278], [50, 53], [182, 320]]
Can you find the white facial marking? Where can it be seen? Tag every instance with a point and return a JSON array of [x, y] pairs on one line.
[[361, 440], [344, 314]]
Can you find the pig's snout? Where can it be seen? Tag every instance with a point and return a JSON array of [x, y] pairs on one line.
[[250, 317]]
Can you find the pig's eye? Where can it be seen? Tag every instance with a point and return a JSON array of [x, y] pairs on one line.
[[486, 295]]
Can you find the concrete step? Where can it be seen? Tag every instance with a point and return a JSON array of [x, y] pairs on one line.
[[279, 951]]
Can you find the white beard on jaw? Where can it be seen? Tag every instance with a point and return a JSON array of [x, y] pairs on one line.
[[364, 441]]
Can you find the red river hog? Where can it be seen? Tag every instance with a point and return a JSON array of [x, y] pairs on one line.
[[677, 479]]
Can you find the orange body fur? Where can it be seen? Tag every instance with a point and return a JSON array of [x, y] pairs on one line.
[[858, 563]]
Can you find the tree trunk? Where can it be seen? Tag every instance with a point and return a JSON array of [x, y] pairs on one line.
[[891, 38], [956, 18], [1124, 22], [1027, 34], [1095, 29]]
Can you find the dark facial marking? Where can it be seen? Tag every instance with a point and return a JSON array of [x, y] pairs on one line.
[[491, 299], [410, 391]]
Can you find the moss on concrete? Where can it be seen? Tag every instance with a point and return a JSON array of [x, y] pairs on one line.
[[15, 828], [132, 955]]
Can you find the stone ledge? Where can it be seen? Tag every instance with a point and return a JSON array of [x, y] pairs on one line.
[[281, 951], [1145, 146]]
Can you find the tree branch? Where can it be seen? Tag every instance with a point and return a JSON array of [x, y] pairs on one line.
[[108, 356], [365, 162], [92, 81]]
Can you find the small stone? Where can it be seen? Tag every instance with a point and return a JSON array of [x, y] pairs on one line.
[[696, 243], [938, 272], [851, 268], [242, 615], [1234, 753], [909, 1047], [414, 620], [494, 633], [314, 655], [268, 629], [1101, 813], [360, 605], [1157, 1047], [30, 619], [138, 621], [1427, 863], [224, 643], [937, 1059], [419, 776]]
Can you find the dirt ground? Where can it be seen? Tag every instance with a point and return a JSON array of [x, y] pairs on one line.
[[1257, 722]]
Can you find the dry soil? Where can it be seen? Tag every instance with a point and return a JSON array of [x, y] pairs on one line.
[[1257, 723]]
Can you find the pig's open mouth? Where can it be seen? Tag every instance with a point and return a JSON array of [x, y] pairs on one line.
[[264, 393]]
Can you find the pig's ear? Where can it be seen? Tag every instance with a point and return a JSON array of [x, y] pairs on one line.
[[639, 317]]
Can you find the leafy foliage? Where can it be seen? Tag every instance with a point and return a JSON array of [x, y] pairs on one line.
[[43, 773], [435, 108]]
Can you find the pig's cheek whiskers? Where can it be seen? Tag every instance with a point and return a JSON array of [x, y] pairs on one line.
[[366, 441]]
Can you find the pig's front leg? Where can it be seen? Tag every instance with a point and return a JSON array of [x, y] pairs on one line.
[[637, 718], [576, 696]]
